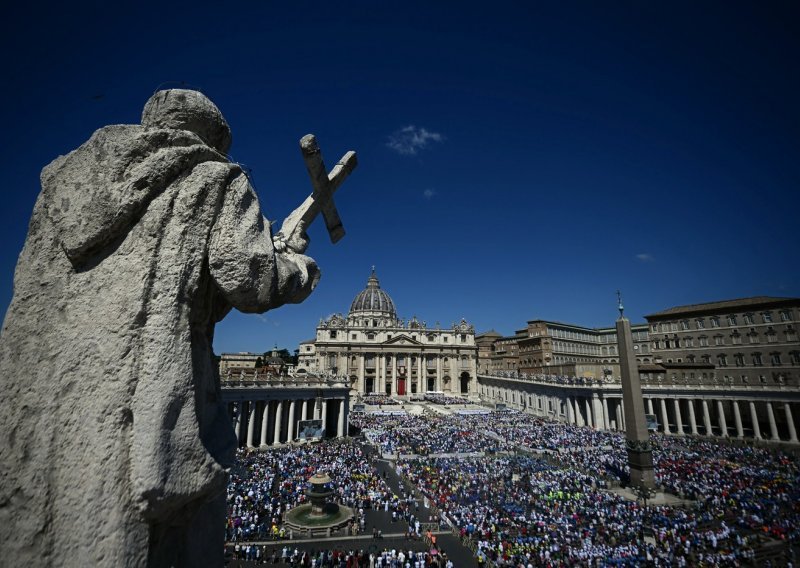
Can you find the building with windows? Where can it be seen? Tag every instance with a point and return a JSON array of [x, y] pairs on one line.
[[378, 352], [728, 369], [556, 348]]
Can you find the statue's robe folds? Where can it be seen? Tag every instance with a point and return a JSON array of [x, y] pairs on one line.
[[113, 434]]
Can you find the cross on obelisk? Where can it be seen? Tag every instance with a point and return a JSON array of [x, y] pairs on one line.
[[637, 442]]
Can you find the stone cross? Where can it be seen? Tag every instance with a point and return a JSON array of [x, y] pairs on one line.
[[321, 199]]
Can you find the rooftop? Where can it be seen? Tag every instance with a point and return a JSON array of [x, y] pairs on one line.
[[725, 305]]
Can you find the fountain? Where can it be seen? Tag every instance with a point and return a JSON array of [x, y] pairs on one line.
[[318, 516]]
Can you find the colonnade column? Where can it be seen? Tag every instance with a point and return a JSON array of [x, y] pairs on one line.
[[570, 412], [790, 422], [678, 418], [290, 425], [692, 417], [706, 417], [606, 416], [620, 418], [325, 415], [276, 438], [304, 409], [340, 424], [772, 425], [238, 427], [664, 416], [650, 409], [588, 407], [723, 423], [251, 423], [264, 424], [754, 420], [597, 411], [737, 418]]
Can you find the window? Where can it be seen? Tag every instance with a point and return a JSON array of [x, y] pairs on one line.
[[738, 360], [791, 335], [719, 340], [685, 325], [772, 337], [775, 358], [753, 336], [706, 358], [370, 336], [767, 317], [333, 334], [786, 315], [757, 360], [673, 326], [715, 322], [795, 357], [748, 319], [445, 338], [353, 336], [688, 342], [736, 339], [732, 320], [703, 341], [722, 360], [700, 322]]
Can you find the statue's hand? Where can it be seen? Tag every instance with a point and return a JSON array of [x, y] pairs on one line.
[[296, 241]]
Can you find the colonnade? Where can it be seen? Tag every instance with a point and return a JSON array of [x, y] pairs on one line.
[[262, 422], [722, 415]]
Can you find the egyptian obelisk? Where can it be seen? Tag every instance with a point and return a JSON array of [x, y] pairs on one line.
[[637, 438]]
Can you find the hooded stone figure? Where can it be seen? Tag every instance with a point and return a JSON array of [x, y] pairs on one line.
[[114, 435]]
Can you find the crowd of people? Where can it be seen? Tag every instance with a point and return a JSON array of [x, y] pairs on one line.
[[264, 485], [426, 434], [341, 557], [445, 400], [521, 490], [555, 379], [374, 399]]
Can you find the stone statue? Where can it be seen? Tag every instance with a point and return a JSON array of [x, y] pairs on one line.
[[114, 437]]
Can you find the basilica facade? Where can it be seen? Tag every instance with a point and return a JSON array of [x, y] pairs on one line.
[[380, 353]]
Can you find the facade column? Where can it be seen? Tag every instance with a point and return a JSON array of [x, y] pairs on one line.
[[618, 411], [325, 415], [251, 423], [650, 409], [754, 420], [678, 418], [664, 415], [606, 415], [393, 384], [438, 381], [361, 373], [340, 422], [737, 418], [622, 415], [723, 423], [264, 424], [787, 408], [421, 376], [706, 418], [692, 418], [290, 424], [597, 410], [773, 427], [276, 438]]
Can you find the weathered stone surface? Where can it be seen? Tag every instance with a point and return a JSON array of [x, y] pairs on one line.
[[114, 438]]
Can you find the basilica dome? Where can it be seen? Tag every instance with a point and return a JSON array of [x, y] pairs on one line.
[[372, 301]]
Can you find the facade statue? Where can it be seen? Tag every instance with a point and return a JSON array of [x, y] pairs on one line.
[[114, 437]]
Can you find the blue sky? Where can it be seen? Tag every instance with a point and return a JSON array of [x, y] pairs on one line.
[[516, 160]]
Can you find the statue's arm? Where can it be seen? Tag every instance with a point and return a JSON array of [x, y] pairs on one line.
[[250, 273]]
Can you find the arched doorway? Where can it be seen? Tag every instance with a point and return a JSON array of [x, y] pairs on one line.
[[464, 383]]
